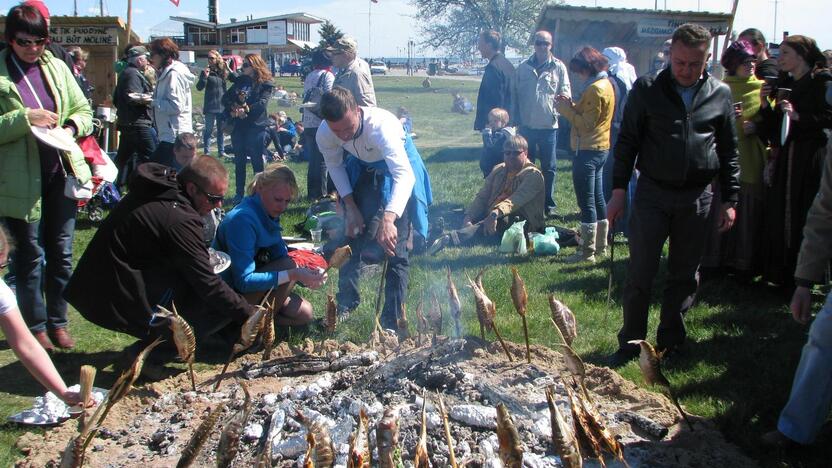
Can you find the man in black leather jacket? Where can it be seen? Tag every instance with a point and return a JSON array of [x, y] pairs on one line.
[[678, 130]]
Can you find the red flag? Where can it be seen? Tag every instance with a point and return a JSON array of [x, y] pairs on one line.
[[175, 2], [374, 1]]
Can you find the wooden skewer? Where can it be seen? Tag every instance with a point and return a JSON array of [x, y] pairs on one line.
[[503, 343], [526, 337]]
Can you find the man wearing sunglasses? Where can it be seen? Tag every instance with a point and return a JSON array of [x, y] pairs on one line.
[[150, 252], [512, 192], [539, 79]]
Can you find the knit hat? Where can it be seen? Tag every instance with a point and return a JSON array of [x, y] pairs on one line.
[[807, 48], [40, 6], [736, 53], [136, 51]]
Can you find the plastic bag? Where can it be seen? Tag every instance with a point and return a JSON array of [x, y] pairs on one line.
[[546, 244], [514, 241]]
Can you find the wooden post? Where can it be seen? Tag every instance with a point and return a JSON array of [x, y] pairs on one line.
[[129, 19]]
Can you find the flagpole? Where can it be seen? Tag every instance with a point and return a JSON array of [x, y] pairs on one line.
[[129, 19]]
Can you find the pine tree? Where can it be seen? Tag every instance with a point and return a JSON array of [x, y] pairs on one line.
[[329, 34]]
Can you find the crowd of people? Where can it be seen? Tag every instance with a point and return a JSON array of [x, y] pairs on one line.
[[734, 171]]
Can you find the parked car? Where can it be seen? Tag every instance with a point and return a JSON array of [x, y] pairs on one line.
[[378, 68]]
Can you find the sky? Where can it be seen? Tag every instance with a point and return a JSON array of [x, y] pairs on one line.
[[390, 24]]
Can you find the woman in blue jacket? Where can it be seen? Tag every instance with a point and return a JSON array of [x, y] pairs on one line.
[[251, 235]]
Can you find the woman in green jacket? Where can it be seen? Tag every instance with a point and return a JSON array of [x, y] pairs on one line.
[[37, 90]]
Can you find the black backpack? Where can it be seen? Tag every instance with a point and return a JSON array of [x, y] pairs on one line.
[[313, 96]]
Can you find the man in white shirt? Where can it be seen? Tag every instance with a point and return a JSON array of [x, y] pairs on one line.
[[384, 188]]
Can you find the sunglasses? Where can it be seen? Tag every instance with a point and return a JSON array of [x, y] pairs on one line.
[[4, 264], [212, 199], [30, 42], [512, 152], [542, 43]]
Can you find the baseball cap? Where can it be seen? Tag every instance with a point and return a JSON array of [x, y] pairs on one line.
[[40, 6], [136, 51], [345, 44]]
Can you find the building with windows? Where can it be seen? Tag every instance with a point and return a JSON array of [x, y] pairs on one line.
[[277, 39]]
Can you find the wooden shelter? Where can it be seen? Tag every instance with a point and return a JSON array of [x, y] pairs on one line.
[[641, 33]]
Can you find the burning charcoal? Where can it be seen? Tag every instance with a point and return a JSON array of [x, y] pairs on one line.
[[652, 428], [483, 417]]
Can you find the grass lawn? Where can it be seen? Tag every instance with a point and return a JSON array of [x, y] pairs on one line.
[[743, 350]]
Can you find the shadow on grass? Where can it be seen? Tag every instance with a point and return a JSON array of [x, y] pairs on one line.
[[67, 364], [461, 154]]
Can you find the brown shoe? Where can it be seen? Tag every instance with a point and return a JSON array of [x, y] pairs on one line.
[[777, 440], [61, 337], [44, 341]]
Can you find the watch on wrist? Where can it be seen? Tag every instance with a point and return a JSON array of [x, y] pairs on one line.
[[494, 215]]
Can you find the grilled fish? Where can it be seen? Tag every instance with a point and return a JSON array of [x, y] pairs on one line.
[[486, 312], [250, 330], [584, 429], [563, 435], [387, 439], [331, 320], [191, 451], [360, 455], [268, 334], [510, 449], [599, 428], [521, 300], [183, 338], [229, 443], [421, 458], [446, 426], [323, 453], [340, 257], [651, 369], [564, 319], [310, 448]]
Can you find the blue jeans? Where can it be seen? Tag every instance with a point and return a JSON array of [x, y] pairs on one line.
[[249, 143], [542, 146], [49, 239], [210, 119], [587, 172], [811, 395], [316, 179]]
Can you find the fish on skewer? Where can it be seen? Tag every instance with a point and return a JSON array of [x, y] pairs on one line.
[[520, 298], [308, 461], [574, 363], [649, 361], [450, 441], [248, 333], [564, 319], [583, 429], [421, 458], [323, 452], [422, 322], [339, 257], [488, 312], [387, 440], [402, 324], [480, 317], [510, 447], [191, 450], [360, 454], [599, 428], [455, 306], [435, 316], [563, 435], [229, 443], [268, 332], [183, 338]]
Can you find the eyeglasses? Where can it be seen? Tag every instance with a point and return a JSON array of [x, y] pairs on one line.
[[30, 42], [212, 199], [512, 152], [542, 43], [4, 264], [246, 65]]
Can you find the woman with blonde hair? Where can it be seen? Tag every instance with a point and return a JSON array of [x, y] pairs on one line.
[[251, 235], [246, 104], [213, 80]]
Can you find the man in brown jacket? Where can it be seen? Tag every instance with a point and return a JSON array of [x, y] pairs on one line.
[[512, 192], [811, 395]]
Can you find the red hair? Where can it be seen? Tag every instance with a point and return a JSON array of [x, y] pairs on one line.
[[588, 60]]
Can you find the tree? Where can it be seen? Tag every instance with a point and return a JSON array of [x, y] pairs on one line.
[[453, 25]]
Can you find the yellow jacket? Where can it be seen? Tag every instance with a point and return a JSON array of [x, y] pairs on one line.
[[591, 116]]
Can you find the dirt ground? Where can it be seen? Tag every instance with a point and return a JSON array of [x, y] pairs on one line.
[[151, 426]]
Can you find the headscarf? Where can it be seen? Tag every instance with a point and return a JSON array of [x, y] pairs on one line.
[[806, 48], [619, 65]]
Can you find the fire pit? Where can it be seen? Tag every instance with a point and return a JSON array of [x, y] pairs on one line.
[[152, 426]]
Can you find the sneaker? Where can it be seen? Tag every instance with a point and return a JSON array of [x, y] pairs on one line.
[[440, 243], [343, 313], [621, 357]]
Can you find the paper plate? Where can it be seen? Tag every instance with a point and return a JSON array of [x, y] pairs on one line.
[[56, 138], [303, 246], [140, 96], [220, 261], [784, 130]]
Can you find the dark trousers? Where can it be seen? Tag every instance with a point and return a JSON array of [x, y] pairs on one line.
[[660, 213], [210, 120], [49, 239], [542, 146], [317, 182], [367, 196], [587, 170], [138, 141], [248, 143]]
